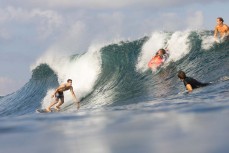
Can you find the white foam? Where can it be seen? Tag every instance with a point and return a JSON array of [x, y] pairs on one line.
[[177, 44], [83, 70], [149, 49], [207, 42]]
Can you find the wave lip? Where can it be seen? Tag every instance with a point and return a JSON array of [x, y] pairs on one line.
[[28, 98]]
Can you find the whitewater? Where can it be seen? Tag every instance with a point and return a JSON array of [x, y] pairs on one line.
[[125, 107]]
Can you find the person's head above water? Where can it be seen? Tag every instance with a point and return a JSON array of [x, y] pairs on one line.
[[181, 74], [161, 52], [220, 19]]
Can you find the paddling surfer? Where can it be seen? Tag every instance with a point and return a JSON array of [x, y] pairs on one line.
[[189, 82]]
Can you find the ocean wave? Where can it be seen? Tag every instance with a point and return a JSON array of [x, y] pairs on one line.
[[117, 74]]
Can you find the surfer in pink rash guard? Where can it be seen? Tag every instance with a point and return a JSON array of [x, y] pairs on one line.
[[160, 57]]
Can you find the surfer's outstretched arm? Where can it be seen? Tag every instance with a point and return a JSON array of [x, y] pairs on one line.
[[74, 96]]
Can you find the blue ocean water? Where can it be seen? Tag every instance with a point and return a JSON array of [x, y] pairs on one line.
[[125, 107]]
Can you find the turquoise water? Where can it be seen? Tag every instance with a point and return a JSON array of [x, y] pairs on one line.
[[127, 108]]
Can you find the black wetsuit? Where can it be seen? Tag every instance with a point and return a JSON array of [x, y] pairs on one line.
[[194, 83]]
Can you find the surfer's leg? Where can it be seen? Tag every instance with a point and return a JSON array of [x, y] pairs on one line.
[[48, 109], [57, 107]]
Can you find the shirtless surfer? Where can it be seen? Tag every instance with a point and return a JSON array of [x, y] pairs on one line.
[[221, 29], [59, 95]]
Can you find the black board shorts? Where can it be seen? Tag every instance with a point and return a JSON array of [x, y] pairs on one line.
[[59, 95]]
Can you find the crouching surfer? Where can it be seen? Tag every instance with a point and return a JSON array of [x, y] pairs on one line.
[[59, 95]]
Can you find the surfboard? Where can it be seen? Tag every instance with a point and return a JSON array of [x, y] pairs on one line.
[[44, 110]]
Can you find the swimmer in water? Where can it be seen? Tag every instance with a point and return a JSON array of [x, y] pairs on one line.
[[189, 82]]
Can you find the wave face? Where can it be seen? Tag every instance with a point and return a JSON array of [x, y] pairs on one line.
[[28, 98], [117, 74]]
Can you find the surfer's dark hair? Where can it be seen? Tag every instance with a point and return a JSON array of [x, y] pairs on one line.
[[69, 80], [220, 19], [181, 74], [163, 51]]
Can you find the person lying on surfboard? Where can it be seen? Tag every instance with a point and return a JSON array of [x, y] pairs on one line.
[[160, 57], [59, 95]]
